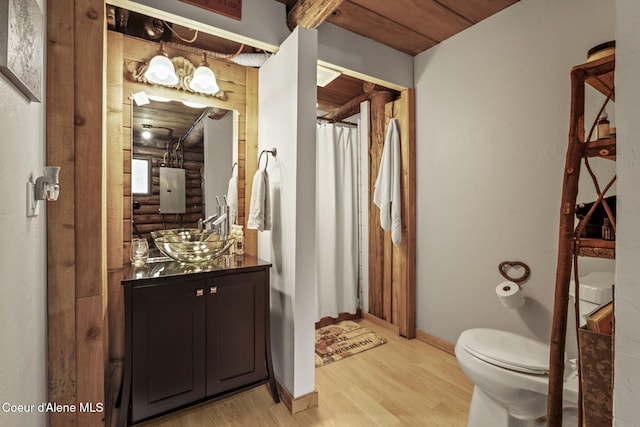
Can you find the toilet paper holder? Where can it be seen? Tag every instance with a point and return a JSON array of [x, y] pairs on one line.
[[505, 266]]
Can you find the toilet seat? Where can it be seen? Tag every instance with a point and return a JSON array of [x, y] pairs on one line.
[[507, 350]]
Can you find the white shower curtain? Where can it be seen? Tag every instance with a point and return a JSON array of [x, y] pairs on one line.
[[337, 219]]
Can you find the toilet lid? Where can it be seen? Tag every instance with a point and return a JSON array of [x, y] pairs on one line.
[[507, 350]]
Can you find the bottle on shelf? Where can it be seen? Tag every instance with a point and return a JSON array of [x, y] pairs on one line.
[[604, 130], [607, 230]]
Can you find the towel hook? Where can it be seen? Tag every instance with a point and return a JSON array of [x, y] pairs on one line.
[[273, 152], [235, 165]]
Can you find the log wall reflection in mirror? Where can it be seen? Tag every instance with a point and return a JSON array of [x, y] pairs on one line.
[[197, 140]]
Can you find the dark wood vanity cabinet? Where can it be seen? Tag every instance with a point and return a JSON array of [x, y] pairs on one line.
[[168, 332], [236, 310], [194, 338]]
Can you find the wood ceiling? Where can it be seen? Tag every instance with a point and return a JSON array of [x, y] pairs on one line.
[[410, 26]]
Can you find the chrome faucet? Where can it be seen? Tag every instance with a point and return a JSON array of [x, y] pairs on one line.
[[203, 222], [219, 221]]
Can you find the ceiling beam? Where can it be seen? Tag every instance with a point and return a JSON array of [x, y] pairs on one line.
[[352, 107], [311, 13]]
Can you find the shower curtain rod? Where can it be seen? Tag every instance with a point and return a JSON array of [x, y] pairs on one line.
[[337, 121]]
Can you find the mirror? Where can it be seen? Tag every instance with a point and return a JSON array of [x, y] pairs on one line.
[[183, 157]]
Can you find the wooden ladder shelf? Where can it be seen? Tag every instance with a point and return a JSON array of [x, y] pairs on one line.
[[600, 75]]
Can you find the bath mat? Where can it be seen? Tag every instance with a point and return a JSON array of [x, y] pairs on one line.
[[344, 339]]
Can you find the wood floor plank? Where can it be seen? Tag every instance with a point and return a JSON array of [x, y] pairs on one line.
[[401, 383]]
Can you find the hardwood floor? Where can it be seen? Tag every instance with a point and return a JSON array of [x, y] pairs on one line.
[[401, 383]]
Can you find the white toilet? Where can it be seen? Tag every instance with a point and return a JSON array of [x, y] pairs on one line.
[[510, 371]]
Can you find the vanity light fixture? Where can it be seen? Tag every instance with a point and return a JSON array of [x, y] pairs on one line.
[[46, 187], [204, 80], [161, 70]]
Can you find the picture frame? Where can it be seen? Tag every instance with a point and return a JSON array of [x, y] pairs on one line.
[[21, 45]]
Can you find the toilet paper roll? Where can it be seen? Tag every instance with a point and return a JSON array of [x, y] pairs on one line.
[[510, 295]]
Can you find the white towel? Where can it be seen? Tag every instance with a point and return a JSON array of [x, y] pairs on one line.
[[260, 210], [232, 199], [386, 193]]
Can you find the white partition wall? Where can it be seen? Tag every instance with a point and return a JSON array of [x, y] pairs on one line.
[[287, 115], [626, 394]]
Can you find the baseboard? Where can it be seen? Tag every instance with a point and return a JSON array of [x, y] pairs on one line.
[[382, 323], [436, 342], [297, 404]]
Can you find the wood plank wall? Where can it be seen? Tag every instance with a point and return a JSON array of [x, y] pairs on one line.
[[76, 243], [240, 86], [115, 195], [392, 276], [148, 217]]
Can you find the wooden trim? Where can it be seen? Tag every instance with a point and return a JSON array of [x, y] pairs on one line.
[[297, 404], [251, 155], [407, 118], [311, 13], [392, 268], [380, 322], [76, 244], [436, 342], [91, 362], [60, 215], [115, 197], [376, 235], [90, 178]]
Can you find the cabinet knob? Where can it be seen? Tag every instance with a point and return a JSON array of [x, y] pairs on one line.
[[213, 290], [199, 292]]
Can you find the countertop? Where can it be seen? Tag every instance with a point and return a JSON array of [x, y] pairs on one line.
[[163, 269]]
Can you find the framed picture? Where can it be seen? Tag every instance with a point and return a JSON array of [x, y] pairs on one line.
[[21, 50]]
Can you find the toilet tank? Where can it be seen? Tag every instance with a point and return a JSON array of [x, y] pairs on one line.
[[595, 290]]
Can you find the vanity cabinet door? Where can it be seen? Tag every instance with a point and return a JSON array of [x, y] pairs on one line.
[[236, 321], [168, 346]]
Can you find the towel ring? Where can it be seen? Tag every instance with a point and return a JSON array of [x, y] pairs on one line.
[[273, 152]]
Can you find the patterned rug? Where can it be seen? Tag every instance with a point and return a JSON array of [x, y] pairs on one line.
[[344, 339]]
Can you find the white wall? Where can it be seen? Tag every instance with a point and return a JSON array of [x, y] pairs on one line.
[[287, 116], [492, 126], [364, 58], [23, 287], [627, 305]]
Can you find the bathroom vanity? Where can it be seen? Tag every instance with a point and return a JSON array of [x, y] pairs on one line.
[[194, 333]]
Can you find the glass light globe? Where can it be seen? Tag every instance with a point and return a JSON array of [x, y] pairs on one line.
[[204, 81], [161, 71]]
